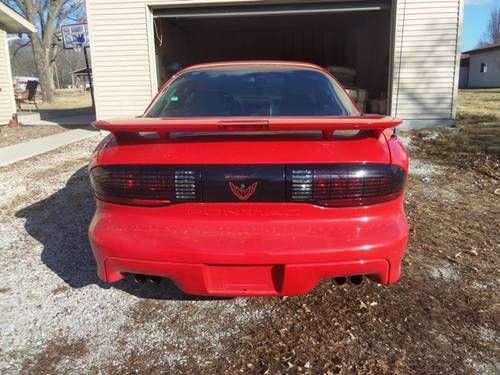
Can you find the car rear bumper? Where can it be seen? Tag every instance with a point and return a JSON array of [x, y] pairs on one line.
[[249, 249]]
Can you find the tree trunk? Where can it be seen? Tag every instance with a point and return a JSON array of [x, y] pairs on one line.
[[45, 70]]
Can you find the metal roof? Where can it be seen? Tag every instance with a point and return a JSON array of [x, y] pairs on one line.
[[482, 49]]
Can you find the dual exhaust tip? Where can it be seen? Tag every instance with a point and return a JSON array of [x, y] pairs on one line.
[[141, 279], [341, 280], [353, 280]]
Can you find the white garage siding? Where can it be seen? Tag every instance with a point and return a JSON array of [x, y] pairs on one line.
[[122, 56], [425, 56], [426, 61], [7, 102]]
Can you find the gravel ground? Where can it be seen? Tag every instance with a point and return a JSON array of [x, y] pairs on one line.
[[11, 136], [57, 317], [54, 313]]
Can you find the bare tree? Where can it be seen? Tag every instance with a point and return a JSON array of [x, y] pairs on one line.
[[66, 62], [494, 25], [492, 35], [47, 16], [21, 58]]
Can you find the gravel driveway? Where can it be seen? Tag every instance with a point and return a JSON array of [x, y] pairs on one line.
[[54, 312], [56, 316]]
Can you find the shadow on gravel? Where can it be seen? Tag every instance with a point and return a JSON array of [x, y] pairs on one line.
[[60, 223]]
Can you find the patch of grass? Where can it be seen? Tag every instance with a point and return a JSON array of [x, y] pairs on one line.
[[475, 139], [478, 105], [68, 99]]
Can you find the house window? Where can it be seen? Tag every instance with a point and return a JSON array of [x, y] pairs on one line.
[[484, 67]]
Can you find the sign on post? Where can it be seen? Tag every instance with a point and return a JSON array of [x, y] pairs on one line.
[[75, 36]]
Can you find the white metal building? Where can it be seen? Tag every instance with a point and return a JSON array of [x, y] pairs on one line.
[[10, 22], [403, 51], [480, 67]]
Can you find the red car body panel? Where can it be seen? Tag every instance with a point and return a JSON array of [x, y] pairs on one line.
[[243, 150], [189, 243], [249, 248]]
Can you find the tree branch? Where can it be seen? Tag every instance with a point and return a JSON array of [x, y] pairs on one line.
[[21, 47], [17, 5]]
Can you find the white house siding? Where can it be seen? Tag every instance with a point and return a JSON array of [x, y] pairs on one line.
[[426, 61], [491, 78], [7, 102], [424, 77]]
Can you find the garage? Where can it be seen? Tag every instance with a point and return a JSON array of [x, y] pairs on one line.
[[341, 37], [399, 57]]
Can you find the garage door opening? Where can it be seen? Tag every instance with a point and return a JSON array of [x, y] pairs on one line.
[[353, 43]]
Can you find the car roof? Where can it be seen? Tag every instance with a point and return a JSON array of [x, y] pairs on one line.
[[261, 63]]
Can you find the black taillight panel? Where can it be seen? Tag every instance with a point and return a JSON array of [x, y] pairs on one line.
[[331, 185], [146, 184], [344, 184]]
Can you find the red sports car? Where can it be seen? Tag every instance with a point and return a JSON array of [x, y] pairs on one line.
[[250, 178]]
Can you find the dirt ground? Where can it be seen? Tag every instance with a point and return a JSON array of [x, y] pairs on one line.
[[442, 317], [11, 136]]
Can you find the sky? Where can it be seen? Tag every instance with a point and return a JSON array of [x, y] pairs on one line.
[[476, 16]]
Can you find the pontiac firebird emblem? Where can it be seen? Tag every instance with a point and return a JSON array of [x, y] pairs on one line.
[[241, 192]]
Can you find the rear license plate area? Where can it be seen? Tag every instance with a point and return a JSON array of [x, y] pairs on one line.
[[262, 279]]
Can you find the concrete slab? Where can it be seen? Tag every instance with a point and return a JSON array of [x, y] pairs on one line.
[[74, 120], [72, 117], [26, 117], [26, 150]]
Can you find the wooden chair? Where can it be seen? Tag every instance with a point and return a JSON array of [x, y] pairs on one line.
[[28, 96]]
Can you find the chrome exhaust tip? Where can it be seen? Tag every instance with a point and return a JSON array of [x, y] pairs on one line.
[[155, 279], [140, 279], [341, 280], [356, 279]]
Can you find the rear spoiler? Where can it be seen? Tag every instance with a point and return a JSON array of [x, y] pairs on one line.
[[328, 125]]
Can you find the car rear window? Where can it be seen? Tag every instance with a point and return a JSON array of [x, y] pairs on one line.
[[252, 91]]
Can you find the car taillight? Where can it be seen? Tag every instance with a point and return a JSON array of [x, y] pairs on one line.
[[331, 185], [146, 185], [345, 185]]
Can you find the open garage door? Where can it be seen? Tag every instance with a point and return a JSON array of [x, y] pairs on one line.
[[350, 38], [272, 9]]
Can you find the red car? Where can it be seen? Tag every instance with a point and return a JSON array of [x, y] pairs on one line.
[[250, 179]]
